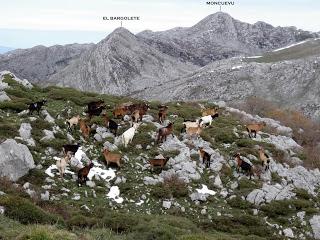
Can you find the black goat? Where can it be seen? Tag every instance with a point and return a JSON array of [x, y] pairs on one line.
[[70, 148], [36, 106]]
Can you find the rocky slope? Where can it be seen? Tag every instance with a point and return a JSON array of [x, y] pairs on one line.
[[219, 36], [289, 76], [119, 64], [194, 202], [40, 62]]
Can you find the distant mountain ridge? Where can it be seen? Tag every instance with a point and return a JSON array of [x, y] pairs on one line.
[[219, 36], [182, 63]]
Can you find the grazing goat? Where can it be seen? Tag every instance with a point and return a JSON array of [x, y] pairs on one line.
[[85, 129], [142, 107], [83, 173], [164, 132], [188, 124], [127, 136], [162, 114], [95, 111], [36, 106], [265, 159], [62, 164], [254, 128], [95, 104], [112, 125], [248, 168], [194, 131], [210, 111], [120, 112], [207, 119], [205, 157], [73, 148], [73, 122], [111, 157], [158, 162], [135, 116]]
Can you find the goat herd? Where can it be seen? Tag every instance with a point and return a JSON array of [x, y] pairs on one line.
[[136, 111]]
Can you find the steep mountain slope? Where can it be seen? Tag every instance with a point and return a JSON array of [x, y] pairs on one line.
[[219, 36], [183, 201], [293, 83], [40, 62], [119, 64]]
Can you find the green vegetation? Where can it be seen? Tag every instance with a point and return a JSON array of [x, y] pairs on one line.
[[31, 218]]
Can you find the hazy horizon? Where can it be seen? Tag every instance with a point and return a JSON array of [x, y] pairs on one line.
[[65, 22]]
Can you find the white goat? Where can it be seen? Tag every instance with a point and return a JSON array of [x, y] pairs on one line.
[[127, 136], [62, 164], [207, 119]]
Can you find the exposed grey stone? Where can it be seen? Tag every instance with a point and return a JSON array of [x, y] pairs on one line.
[[110, 146], [315, 225], [45, 196], [48, 135], [48, 117], [91, 184], [25, 133], [166, 204], [288, 233], [16, 160]]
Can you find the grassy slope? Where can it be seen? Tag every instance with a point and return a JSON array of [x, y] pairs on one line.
[[106, 220], [307, 49]]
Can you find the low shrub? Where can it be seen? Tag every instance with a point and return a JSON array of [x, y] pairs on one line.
[[25, 211]]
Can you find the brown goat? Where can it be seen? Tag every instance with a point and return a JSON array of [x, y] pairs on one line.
[[158, 162], [194, 131], [205, 157], [248, 168], [85, 129], [135, 116], [120, 112], [83, 173], [254, 128], [209, 111], [162, 113], [164, 132], [265, 159], [111, 157]]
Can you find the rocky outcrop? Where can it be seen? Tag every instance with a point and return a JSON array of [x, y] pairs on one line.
[[119, 64], [315, 225], [40, 62], [16, 160], [25, 133], [219, 36]]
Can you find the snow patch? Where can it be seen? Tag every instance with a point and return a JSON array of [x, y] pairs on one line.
[[114, 194], [205, 190]]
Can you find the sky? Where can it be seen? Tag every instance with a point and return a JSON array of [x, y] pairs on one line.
[[26, 23]]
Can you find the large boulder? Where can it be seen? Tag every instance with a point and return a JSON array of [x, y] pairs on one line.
[[315, 225], [16, 160]]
